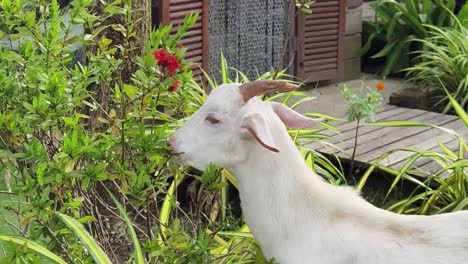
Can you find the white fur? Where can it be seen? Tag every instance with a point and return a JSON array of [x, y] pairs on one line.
[[293, 213]]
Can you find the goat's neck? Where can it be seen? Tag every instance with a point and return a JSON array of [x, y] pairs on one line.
[[272, 171]]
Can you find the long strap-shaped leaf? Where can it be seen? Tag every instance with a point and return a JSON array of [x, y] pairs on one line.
[[88, 241], [167, 207], [31, 245], [138, 254]]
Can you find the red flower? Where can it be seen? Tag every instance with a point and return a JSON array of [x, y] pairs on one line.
[[166, 60], [173, 64], [159, 55], [175, 85]]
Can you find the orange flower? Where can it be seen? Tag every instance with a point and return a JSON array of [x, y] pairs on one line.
[[380, 86]]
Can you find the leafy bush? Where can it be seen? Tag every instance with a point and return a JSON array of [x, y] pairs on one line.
[[63, 144], [398, 25], [443, 64]]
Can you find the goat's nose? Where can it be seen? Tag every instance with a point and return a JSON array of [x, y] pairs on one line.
[[172, 141]]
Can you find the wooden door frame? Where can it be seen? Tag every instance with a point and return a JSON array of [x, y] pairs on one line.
[[300, 49]]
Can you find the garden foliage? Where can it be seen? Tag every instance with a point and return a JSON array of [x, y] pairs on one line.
[[399, 23], [71, 128], [443, 65]]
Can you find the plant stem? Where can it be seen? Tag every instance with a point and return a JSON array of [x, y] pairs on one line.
[[351, 166]]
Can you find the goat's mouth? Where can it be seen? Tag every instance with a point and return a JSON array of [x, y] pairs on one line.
[[177, 153]]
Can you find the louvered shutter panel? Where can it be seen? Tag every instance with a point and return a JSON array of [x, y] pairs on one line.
[[320, 41], [196, 40]]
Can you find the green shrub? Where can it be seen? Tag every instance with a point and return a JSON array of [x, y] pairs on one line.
[[397, 26], [61, 142], [443, 63]]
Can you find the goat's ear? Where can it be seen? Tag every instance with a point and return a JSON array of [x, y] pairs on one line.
[[293, 119], [259, 130]]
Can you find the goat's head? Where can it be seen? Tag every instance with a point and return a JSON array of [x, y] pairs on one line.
[[232, 121]]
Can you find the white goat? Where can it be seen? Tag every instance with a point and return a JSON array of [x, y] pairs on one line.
[[291, 211]]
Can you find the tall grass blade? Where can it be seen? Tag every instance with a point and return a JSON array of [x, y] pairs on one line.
[[457, 107], [88, 241], [138, 253], [166, 208], [33, 246]]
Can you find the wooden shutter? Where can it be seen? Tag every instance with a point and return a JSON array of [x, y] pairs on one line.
[[196, 40], [320, 41]]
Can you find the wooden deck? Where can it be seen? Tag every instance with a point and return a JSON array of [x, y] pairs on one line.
[[374, 141]]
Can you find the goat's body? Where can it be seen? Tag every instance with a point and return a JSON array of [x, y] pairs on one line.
[[298, 218]]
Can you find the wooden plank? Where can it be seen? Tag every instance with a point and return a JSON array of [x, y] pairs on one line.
[[424, 167], [187, 7], [449, 140], [395, 113], [326, 21], [309, 46], [425, 141], [372, 149], [320, 67], [321, 27], [373, 137], [320, 16], [321, 50], [329, 9], [379, 135], [346, 128], [320, 75], [180, 2], [374, 141], [319, 62], [193, 53], [322, 32], [323, 55], [323, 38], [181, 14], [325, 3]]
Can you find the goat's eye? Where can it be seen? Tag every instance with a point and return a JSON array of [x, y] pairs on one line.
[[212, 120]]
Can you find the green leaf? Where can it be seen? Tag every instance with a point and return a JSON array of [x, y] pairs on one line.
[[458, 109], [392, 25], [138, 254], [130, 91], [105, 42], [31, 245], [461, 206], [112, 10], [394, 57], [412, 8], [389, 48], [463, 15], [88, 37], [306, 10], [86, 239], [166, 207], [40, 173], [398, 123]]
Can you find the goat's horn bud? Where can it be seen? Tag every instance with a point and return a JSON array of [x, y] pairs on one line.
[[255, 88]]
